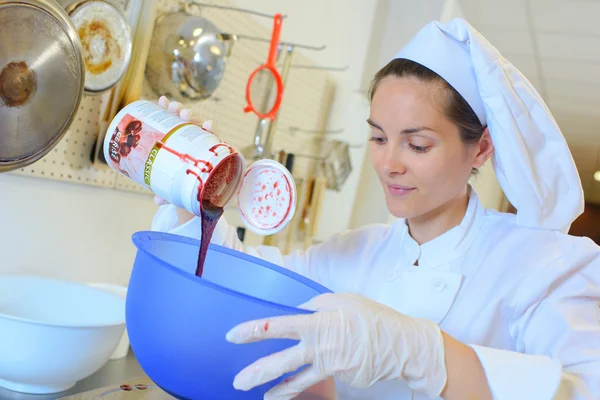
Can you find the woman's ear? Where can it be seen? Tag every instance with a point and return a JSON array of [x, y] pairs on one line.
[[485, 149]]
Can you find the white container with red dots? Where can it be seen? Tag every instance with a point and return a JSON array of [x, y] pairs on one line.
[[187, 165]]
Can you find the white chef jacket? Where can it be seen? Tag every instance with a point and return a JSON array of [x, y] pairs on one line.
[[526, 300]]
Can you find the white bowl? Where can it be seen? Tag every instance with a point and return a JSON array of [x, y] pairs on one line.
[[54, 333], [123, 346]]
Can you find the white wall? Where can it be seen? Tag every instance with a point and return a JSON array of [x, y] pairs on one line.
[[397, 21], [67, 231], [451, 9], [83, 233]]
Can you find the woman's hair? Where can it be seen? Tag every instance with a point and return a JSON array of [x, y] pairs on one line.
[[456, 107]]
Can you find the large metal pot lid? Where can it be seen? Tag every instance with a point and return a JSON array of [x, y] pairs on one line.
[[187, 57], [106, 42], [41, 79]]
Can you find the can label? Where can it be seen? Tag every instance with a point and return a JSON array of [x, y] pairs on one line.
[[133, 147]]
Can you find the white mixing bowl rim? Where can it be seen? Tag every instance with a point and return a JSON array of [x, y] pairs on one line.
[[63, 325]]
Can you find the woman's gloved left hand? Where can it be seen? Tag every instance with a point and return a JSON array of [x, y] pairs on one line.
[[350, 337]]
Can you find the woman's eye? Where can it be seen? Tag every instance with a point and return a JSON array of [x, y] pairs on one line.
[[377, 140], [418, 149]]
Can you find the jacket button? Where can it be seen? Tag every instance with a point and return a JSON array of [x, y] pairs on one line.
[[392, 275], [438, 284]]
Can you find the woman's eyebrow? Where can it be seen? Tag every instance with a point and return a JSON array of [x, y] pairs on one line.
[[406, 131]]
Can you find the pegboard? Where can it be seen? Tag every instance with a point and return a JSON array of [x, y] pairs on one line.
[[305, 105]]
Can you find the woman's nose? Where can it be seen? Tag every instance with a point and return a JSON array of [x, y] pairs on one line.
[[393, 161]]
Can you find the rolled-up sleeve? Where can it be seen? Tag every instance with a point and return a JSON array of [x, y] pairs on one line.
[[556, 328], [512, 375]]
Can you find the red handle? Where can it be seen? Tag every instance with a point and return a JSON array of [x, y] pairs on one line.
[[277, 22], [271, 66]]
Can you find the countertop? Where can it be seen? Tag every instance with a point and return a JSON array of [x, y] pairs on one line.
[[114, 372], [127, 370]]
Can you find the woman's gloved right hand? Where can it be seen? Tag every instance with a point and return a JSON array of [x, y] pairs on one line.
[[174, 219], [188, 115]]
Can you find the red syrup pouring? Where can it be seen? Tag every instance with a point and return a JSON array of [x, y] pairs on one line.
[[210, 218], [212, 195]]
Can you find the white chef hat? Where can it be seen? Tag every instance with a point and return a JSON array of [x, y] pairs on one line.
[[532, 161]]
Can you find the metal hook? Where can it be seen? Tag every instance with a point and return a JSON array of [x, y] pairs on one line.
[[305, 46], [309, 156], [287, 44], [230, 8], [340, 69], [294, 129]]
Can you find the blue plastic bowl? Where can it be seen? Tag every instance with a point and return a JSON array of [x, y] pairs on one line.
[[177, 322]]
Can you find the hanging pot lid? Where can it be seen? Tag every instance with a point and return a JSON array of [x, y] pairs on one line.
[[41, 79], [106, 41]]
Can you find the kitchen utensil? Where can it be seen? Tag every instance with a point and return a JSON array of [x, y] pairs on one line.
[[281, 158], [123, 346], [289, 52], [177, 321], [129, 88], [132, 89], [42, 76], [255, 151], [317, 204], [262, 93], [293, 228], [106, 40], [312, 209], [335, 165], [263, 148], [54, 333], [289, 162], [304, 226], [271, 67], [187, 56]]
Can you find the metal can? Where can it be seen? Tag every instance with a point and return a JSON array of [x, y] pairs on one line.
[[186, 164]]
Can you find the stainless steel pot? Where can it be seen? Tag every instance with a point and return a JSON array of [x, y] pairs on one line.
[[106, 40], [41, 79], [187, 56]]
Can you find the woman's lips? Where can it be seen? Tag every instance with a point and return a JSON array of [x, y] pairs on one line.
[[399, 190]]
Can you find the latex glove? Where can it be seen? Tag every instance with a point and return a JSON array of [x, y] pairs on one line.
[[352, 338], [186, 114]]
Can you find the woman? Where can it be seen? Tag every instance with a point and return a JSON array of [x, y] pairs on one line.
[[451, 300]]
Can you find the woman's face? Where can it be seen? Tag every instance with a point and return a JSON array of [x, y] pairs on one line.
[[416, 150]]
